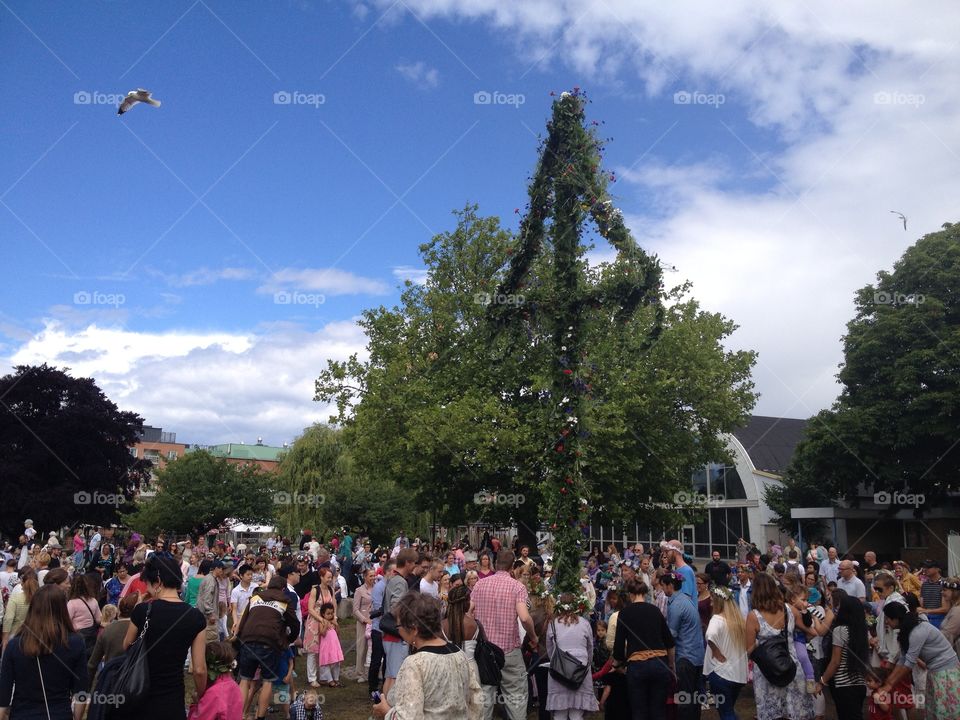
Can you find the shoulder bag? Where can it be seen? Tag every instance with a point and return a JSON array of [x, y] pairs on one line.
[[489, 658], [133, 678], [772, 656], [564, 667]]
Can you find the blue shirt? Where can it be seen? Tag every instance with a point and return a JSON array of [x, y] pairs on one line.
[[684, 623], [376, 600], [689, 581]]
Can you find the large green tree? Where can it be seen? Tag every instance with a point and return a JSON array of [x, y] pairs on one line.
[[896, 425], [199, 492], [64, 451], [322, 489]]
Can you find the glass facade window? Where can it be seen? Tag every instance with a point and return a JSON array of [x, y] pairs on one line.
[[733, 484]]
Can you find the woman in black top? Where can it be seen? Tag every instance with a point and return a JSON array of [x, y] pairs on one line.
[[173, 627], [45, 679], [644, 645]]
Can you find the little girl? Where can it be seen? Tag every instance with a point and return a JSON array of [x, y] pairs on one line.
[[797, 597], [222, 698], [330, 653]]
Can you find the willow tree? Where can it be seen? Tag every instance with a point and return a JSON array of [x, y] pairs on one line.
[[570, 188]]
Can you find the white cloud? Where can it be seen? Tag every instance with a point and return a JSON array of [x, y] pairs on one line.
[[207, 387], [204, 276], [420, 74], [414, 275], [331, 281]]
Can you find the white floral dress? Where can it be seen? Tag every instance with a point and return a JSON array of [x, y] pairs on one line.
[[773, 702]]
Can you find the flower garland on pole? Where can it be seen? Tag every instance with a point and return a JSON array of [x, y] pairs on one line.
[[569, 187]]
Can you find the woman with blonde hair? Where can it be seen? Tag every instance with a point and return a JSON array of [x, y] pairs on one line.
[[725, 663], [19, 603], [910, 583]]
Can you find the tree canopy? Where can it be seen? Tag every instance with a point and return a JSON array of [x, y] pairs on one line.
[[64, 451], [894, 427]]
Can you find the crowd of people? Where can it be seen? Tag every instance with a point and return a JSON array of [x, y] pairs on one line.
[[457, 631]]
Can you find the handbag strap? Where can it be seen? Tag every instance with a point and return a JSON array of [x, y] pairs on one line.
[[43, 688], [146, 621], [92, 616]]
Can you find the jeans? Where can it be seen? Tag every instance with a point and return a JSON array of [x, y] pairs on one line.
[[689, 693], [849, 701], [725, 692], [541, 675], [376, 660], [648, 682], [513, 685]]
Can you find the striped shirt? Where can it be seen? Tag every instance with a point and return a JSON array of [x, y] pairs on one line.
[[848, 673]]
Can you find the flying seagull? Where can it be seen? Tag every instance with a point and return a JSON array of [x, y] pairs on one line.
[[902, 217], [135, 96]]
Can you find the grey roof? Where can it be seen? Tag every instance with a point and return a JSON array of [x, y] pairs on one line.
[[770, 441]]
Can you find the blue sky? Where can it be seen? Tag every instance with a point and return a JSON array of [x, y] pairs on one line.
[[148, 250]]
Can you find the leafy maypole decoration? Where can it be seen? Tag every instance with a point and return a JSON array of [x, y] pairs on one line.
[[568, 188]]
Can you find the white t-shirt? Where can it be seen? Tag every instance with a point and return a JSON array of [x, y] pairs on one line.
[[342, 584], [240, 597], [735, 668], [429, 588], [95, 542], [853, 587], [29, 532], [9, 580]]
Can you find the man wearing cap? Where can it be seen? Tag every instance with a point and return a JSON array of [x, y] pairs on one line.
[[931, 594], [684, 623], [674, 550]]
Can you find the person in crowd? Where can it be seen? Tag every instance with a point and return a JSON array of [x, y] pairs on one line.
[[830, 567], [849, 660], [240, 595], [768, 617], [486, 566], [329, 652], [114, 585], [362, 604], [19, 603], [704, 604], [684, 623], [316, 626], [931, 593], [266, 630], [950, 627], [394, 648], [172, 627], [377, 655], [222, 699], [110, 642], [59, 577], [571, 633], [430, 580], [459, 625], [810, 623], [471, 579], [208, 597], [45, 663], [84, 610], [725, 661], [743, 591], [718, 570], [921, 641], [644, 646], [674, 552], [437, 680], [849, 582], [500, 602]]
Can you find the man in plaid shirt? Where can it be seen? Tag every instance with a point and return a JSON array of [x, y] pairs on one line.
[[498, 602]]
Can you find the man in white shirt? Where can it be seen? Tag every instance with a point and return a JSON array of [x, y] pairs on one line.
[[849, 582], [430, 582], [830, 568]]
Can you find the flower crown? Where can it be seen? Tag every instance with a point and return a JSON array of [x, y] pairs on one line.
[[721, 592]]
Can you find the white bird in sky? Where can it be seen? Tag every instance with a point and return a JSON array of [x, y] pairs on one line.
[[135, 96], [902, 217]]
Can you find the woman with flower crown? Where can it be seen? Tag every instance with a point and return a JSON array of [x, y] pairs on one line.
[[725, 663]]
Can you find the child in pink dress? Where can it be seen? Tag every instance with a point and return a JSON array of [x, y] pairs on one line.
[[222, 699], [330, 653]]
